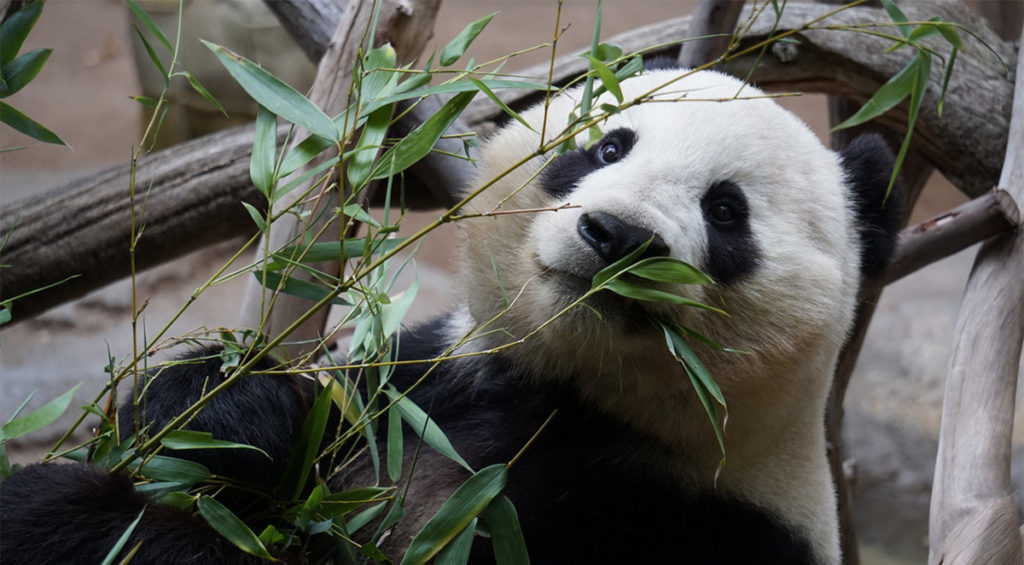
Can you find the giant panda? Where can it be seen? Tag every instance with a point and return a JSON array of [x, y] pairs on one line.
[[703, 168]]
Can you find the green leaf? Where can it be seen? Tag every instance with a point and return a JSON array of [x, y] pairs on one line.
[[950, 34], [897, 16], [22, 70], [394, 445], [500, 103], [149, 23], [173, 470], [391, 314], [39, 418], [307, 445], [145, 101], [378, 79], [457, 552], [305, 177], [121, 541], [457, 46], [421, 140], [264, 151], [360, 214], [667, 269], [618, 268], [923, 66], [27, 125], [15, 29], [231, 527], [607, 52], [889, 95], [607, 77], [456, 513], [190, 439], [201, 90], [256, 215], [5, 315], [281, 99], [630, 290], [297, 287], [424, 427], [684, 353], [506, 533], [153, 57], [329, 251], [370, 141]]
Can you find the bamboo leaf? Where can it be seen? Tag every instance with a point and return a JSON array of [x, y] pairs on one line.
[[394, 445], [630, 290], [897, 16], [506, 533], [38, 418], [201, 90], [191, 439], [264, 151], [22, 70], [618, 268], [15, 29], [330, 251], [256, 215], [281, 99], [424, 427], [421, 140], [684, 353], [500, 103], [608, 80], [27, 125], [145, 101], [153, 57], [149, 24], [667, 269], [121, 541], [457, 46], [297, 287], [456, 513], [173, 470], [307, 445], [361, 162], [231, 527], [889, 95], [457, 551]]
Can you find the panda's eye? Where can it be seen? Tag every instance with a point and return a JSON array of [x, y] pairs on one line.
[[722, 212], [609, 151]]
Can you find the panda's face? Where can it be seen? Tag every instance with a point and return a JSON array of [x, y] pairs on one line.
[[740, 189]]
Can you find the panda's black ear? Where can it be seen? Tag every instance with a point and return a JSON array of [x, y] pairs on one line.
[[868, 162]]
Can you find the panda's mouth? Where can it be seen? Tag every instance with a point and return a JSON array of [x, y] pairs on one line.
[[610, 306]]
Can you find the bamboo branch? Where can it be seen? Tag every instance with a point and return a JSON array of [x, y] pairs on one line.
[[973, 518], [406, 25]]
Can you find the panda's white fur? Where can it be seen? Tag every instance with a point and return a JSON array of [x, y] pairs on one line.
[[791, 317], [626, 469]]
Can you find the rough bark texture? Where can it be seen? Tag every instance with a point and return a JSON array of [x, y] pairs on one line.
[[311, 23], [965, 144], [406, 25], [715, 18], [973, 518], [100, 257], [193, 199]]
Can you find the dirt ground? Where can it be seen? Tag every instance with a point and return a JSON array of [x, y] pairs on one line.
[[894, 402]]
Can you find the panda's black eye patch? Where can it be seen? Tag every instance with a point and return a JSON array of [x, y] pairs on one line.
[[564, 174], [732, 251]]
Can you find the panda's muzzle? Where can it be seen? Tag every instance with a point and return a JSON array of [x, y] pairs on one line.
[[613, 239]]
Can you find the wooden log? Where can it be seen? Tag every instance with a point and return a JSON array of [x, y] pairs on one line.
[[218, 163], [192, 193], [715, 19], [973, 518], [406, 25], [965, 143]]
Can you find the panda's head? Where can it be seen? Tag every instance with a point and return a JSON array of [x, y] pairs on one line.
[[714, 173]]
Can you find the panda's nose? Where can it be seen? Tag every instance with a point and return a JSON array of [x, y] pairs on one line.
[[613, 239]]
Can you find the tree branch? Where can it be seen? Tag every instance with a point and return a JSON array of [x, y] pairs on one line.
[[716, 19], [973, 518]]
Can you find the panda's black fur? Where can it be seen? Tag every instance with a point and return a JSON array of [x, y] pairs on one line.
[[590, 489]]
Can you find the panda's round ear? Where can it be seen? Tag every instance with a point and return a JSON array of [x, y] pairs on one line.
[[868, 163]]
